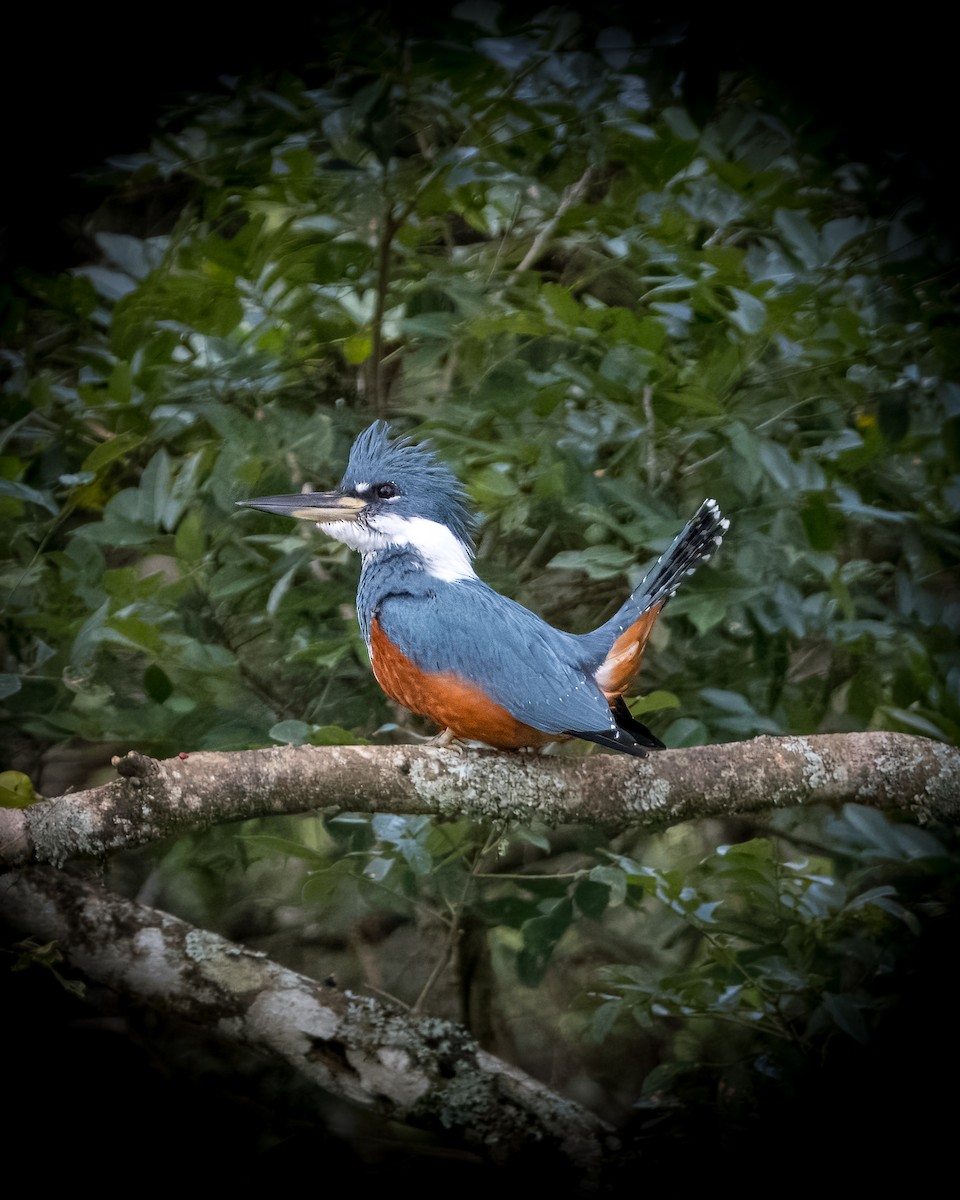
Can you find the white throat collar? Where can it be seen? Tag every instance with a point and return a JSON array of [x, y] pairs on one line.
[[443, 554]]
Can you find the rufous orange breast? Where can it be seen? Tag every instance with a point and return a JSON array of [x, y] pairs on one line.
[[452, 703]]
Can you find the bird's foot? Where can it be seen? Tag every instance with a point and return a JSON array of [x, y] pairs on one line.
[[448, 740]]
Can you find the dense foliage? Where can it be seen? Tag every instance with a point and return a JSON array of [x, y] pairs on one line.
[[601, 310]]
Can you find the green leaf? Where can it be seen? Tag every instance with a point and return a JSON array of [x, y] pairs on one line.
[[157, 684], [686, 732], [602, 1021], [652, 702], [750, 314], [357, 348], [532, 838], [190, 541], [333, 735], [846, 1016], [16, 790], [291, 733], [915, 722], [614, 880], [540, 936], [284, 846], [591, 898], [598, 562], [679, 123], [120, 446], [20, 491], [378, 868], [800, 236]]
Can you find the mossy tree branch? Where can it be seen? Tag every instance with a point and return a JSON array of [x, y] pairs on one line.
[[151, 800], [421, 1070]]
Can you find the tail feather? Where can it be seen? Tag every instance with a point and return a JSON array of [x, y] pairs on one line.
[[695, 544], [631, 735], [637, 730], [624, 636], [616, 739]]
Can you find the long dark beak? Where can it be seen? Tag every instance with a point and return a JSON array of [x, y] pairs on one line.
[[322, 507]]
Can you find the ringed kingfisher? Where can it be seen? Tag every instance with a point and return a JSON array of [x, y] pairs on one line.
[[447, 646]]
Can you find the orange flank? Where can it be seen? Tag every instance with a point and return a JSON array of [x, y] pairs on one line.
[[452, 703], [619, 669]]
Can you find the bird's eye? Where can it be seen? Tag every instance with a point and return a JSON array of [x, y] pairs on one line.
[[386, 491]]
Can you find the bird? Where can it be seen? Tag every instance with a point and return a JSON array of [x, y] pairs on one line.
[[446, 645]]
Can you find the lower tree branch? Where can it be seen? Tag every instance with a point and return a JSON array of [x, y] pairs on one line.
[[421, 1070]]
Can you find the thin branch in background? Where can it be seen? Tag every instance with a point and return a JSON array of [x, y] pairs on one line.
[[390, 222], [651, 448], [570, 196], [455, 929], [502, 239]]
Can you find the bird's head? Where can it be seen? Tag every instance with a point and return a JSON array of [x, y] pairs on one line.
[[392, 494]]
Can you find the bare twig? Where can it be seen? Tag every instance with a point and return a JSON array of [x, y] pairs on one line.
[[455, 929], [651, 448], [570, 197]]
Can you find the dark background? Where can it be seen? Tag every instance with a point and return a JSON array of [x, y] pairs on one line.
[[77, 87]]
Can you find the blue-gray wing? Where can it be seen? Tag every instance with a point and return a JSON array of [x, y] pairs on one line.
[[523, 664]]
